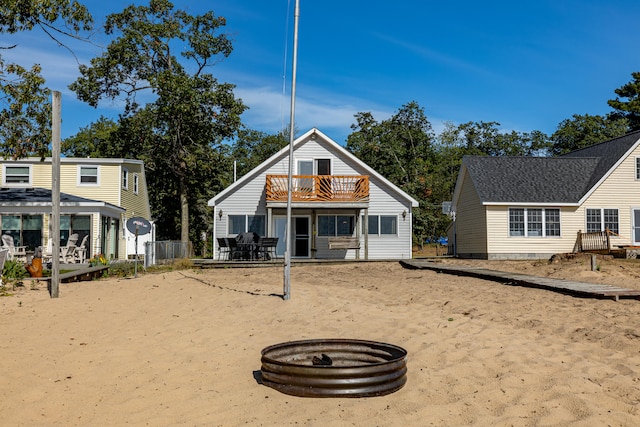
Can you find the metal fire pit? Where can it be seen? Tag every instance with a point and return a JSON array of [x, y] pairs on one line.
[[334, 368]]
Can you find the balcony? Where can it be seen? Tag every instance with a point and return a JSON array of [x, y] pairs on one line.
[[319, 188]]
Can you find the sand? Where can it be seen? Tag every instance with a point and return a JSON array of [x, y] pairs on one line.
[[183, 348]]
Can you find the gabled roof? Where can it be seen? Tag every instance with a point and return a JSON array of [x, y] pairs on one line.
[[42, 197], [320, 138], [564, 180]]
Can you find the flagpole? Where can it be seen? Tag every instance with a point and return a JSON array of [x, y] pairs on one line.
[[287, 233]]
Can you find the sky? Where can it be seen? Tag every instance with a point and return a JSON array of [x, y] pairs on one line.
[[527, 65]]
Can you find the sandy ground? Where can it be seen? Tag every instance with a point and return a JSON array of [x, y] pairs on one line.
[[183, 348]]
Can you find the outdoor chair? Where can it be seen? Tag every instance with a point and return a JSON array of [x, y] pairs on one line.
[[267, 248], [80, 252], [247, 244], [15, 253], [232, 244], [67, 253], [223, 248]]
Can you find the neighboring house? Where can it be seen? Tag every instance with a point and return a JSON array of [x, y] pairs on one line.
[[534, 207], [101, 195], [333, 194]]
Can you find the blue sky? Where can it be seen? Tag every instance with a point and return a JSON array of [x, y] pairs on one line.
[[527, 65]]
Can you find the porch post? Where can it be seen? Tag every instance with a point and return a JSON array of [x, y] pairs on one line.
[[358, 231], [366, 233]]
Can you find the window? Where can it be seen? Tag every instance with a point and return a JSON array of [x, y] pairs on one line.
[[336, 225], [389, 225], [125, 178], [323, 166], [382, 225], [26, 230], [602, 219], [528, 222], [17, 175], [136, 183], [87, 175], [247, 223]]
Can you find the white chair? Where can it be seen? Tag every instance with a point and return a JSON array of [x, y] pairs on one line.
[[80, 253], [16, 253], [68, 252]]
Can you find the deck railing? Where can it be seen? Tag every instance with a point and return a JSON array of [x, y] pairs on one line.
[[594, 241], [318, 188]]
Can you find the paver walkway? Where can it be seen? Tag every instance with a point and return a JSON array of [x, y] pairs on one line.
[[558, 285]]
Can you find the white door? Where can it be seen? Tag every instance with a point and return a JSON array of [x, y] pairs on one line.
[[301, 236]]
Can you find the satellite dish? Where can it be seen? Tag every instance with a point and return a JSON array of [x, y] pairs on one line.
[[138, 225]]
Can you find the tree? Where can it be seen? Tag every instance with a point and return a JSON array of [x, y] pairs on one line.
[[485, 138], [401, 149], [25, 109], [253, 147], [629, 109], [190, 109], [584, 130]]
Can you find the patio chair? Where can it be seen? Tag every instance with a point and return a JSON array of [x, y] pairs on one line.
[[80, 253], [247, 245], [16, 253], [3, 257], [223, 248], [67, 253], [267, 248]]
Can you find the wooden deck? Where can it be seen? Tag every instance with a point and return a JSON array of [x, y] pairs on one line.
[[570, 287], [78, 275]]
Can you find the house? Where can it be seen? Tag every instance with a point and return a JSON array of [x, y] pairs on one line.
[[534, 207], [333, 194], [97, 198]]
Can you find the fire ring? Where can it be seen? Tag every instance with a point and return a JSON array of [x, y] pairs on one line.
[[334, 368]]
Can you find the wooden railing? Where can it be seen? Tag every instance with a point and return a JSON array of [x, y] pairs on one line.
[[594, 241], [318, 188]]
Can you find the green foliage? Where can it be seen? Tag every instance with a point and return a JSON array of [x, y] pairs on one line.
[[629, 109], [583, 131], [252, 147], [14, 271], [175, 134], [25, 109]]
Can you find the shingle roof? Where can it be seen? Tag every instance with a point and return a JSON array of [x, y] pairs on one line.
[[561, 180]]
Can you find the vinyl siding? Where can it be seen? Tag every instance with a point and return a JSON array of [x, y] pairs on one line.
[[135, 204], [501, 246], [249, 199], [620, 190], [471, 222]]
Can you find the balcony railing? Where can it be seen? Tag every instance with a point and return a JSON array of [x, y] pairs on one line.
[[319, 188]]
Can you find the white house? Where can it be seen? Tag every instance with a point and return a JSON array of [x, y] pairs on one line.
[[534, 207], [333, 194]]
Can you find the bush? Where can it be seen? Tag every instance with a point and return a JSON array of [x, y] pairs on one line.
[[14, 272]]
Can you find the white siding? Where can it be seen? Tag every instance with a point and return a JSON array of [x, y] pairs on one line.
[[249, 199]]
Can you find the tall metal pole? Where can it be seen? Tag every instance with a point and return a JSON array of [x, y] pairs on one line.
[[54, 238], [287, 233]]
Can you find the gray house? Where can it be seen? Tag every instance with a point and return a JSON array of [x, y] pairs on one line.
[[334, 195], [534, 207]]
